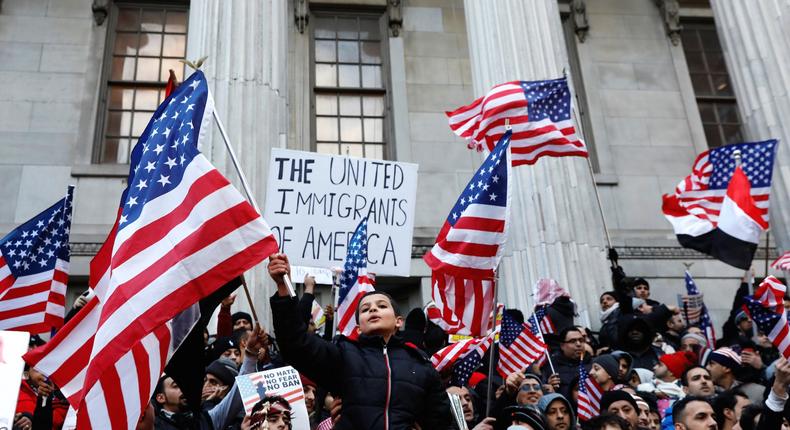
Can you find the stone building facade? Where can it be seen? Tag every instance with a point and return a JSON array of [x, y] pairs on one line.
[[79, 78]]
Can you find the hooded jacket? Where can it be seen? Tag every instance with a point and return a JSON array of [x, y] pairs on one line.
[[645, 355], [545, 401], [383, 385]]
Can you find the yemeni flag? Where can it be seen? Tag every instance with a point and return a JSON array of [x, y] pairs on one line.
[[734, 236]]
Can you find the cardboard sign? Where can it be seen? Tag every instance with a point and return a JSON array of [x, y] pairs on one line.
[[13, 344], [322, 276], [284, 383], [314, 202]]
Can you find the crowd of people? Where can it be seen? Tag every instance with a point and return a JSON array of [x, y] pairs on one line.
[[654, 371]]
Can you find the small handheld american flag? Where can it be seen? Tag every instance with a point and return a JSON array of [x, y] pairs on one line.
[[34, 270], [354, 280], [590, 393], [518, 346], [773, 324], [771, 293], [705, 322]]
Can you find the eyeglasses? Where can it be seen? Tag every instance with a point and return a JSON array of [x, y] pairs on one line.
[[530, 387]]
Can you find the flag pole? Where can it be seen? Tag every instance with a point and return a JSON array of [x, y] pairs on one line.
[[546, 352], [767, 240], [492, 350], [247, 191]]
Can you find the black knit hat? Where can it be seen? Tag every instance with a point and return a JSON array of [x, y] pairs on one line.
[[610, 364], [527, 414], [610, 397], [224, 370], [240, 316]]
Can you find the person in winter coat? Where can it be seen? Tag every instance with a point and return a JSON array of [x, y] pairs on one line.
[[566, 362], [558, 412], [39, 405], [382, 381], [636, 338]]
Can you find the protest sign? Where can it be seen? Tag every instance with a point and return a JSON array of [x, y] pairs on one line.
[[322, 276], [282, 382], [315, 201], [13, 344]]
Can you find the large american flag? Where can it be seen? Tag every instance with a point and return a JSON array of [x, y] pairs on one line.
[[783, 262], [702, 192], [705, 323], [771, 293], [354, 280], [538, 111], [466, 365], [182, 232], [462, 306], [518, 346], [469, 245], [590, 393], [773, 324], [34, 270]]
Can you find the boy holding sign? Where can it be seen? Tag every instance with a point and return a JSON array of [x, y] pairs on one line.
[[384, 382]]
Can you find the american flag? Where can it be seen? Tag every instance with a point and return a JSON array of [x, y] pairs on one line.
[[34, 270], [590, 393], [252, 388], [518, 346], [705, 323], [354, 280], [539, 112], [463, 368], [702, 192], [771, 293], [783, 262], [448, 355], [462, 306], [773, 324], [535, 328], [546, 324], [469, 245], [182, 232]]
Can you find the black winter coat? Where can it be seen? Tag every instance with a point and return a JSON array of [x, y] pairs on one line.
[[390, 386], [567, 369]]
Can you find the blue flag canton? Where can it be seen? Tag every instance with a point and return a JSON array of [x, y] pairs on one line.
[[35, 246], [534, 320], [582, 378], [765, 319], [548, 99], [691, 287], [510, 330], [356, 258], [489, 184], [757, 163], [250, 389], [463, 368], [166, 147]]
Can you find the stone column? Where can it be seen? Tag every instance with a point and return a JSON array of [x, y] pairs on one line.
[[556, 229], [755, 38], [246, 44]]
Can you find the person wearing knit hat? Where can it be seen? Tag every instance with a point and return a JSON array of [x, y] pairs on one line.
[[518, 416], [722, 365], [241, 320], [309, 387], [604, 370], [220, 375], [643, 414], [692, 341], [626, 363], [672, 366], [623, 404], [744, 324]]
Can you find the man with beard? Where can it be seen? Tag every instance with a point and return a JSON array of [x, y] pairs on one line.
[[621, 403], [697, 381], [558, 412]]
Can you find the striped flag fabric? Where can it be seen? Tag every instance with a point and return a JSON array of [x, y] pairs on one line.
[[182, 232], [720, 209], [773, 324], [467, 364], [354, 280], [783, 262], [589, 402], [705, 323], [470, 243], [34, 270], [544, 320], [519, 347], [253, 388], [462, 306], [448, 355], [771, 294], [539, 113], [535, 328]]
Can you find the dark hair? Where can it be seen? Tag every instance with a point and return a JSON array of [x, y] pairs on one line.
[[679, 408], [608, 293], [606, 419], [640, 281], [564, 332], [725, 400], [160, 385], [516, 314], [749, 415], [273, 399], [371, 293], [684, 376]]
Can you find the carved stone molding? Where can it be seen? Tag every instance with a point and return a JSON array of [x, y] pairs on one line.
[[100, 9], [581, 25], [395, 13], [301, 14], [670, 14]]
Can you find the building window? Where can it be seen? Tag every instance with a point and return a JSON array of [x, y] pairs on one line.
[[711, 81], [144, 43], [349, 85]]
